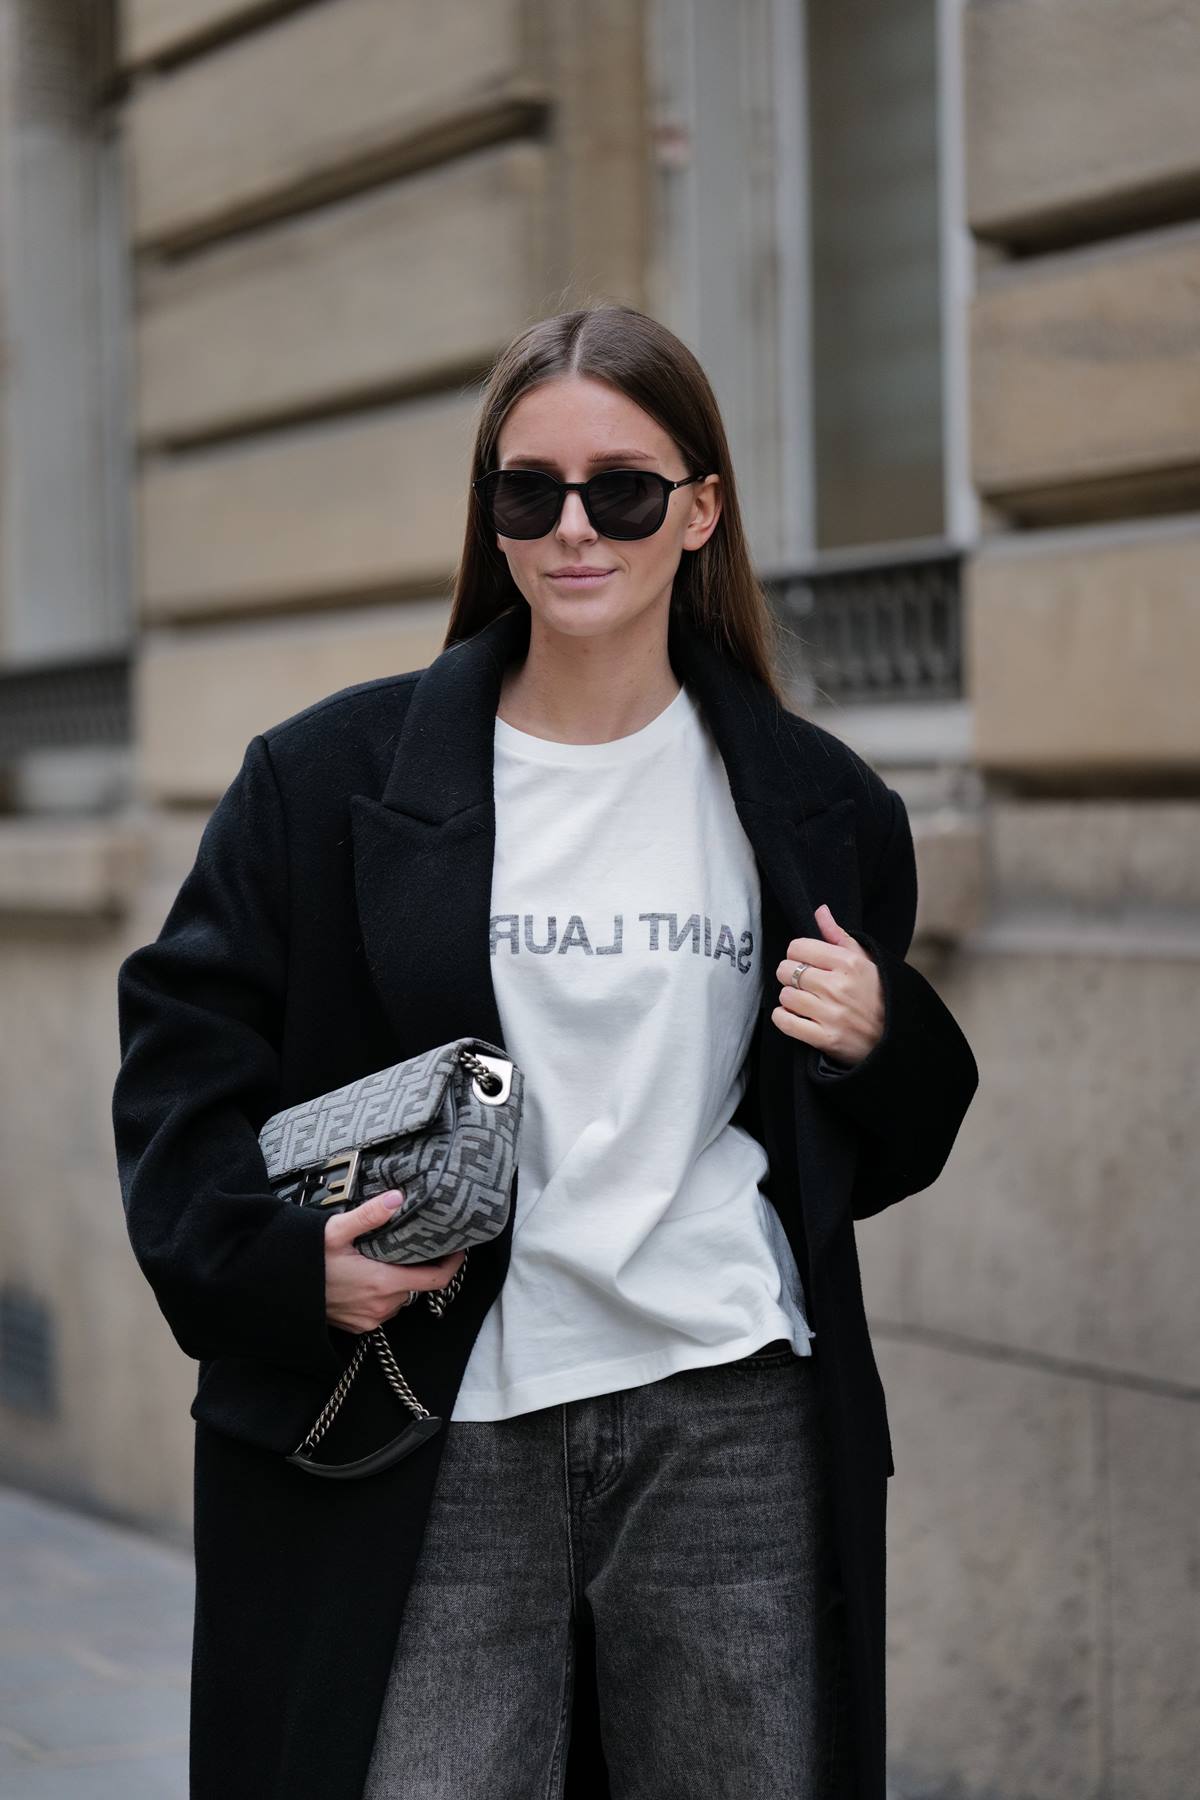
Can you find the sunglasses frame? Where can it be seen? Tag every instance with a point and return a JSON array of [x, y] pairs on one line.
[[666, 485]]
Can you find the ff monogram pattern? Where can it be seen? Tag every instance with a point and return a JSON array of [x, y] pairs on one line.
[[419, 1125]]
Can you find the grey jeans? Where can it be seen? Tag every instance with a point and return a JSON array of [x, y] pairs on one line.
[[691, 1516]]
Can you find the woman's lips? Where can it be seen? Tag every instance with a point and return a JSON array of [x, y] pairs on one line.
[[581, 581]]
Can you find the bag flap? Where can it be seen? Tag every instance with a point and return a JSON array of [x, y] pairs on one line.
[[392, 1102]]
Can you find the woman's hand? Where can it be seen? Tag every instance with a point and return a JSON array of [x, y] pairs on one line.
[[838, 1008], [361, 1293]]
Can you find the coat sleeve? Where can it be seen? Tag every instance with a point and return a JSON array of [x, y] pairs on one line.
[[907, 1097], [235, 1270]]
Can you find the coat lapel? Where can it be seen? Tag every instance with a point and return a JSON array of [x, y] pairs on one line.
[[423, 853]]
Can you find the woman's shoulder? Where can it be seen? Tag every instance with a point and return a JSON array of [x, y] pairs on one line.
[[363, 702], [342, 743]]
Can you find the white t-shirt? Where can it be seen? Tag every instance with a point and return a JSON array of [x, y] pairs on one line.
[[626, 962]]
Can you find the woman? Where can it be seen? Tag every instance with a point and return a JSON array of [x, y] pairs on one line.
[[645, 1554]]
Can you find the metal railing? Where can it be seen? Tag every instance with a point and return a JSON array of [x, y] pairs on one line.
[[881, 627]]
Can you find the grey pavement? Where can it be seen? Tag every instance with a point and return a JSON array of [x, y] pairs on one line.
[[95, 1652]]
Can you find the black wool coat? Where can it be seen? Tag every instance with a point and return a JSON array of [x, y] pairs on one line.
[[336, 920]]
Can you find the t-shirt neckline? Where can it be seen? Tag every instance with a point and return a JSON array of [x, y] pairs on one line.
[[630, 748]]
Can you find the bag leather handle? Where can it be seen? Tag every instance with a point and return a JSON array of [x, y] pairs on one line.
[[410, 1439]]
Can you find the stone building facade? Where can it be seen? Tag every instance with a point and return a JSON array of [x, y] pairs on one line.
[[942, 261]]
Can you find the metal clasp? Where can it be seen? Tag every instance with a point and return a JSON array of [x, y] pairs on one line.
[[501, 1073], [330, 1182]]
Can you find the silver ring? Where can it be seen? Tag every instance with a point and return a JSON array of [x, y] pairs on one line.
[[797, 970]]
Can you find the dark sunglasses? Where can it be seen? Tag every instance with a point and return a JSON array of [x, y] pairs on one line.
[[621, 503]]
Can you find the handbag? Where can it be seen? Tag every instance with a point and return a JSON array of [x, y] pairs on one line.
[[444, 1126]]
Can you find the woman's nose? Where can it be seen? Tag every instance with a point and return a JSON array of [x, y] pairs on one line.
[[573, 518]]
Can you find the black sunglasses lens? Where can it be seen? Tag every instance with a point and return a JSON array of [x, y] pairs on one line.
[[625, 503], [523, 503]]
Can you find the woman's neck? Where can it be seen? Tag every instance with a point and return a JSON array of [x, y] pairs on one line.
[[575, 690]]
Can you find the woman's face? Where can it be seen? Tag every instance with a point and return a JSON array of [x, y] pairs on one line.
[[572, 427]]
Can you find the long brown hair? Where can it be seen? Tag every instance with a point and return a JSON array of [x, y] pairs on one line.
[[715, 586]]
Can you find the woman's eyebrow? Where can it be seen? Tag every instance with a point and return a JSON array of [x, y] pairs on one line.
[[602, 456]]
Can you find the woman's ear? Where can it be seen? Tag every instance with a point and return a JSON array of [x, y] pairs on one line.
[[700, 530]]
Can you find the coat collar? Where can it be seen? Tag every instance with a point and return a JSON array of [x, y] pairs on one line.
[[443, 762], [424, 848]]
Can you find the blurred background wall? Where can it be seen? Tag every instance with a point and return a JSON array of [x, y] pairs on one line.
[[942, 262]]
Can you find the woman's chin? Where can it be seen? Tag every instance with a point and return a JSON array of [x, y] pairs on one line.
[[581, 614]]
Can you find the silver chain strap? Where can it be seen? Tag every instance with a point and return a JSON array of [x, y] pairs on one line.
[[395, 1379], [436, 1301], [329, 1411]]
